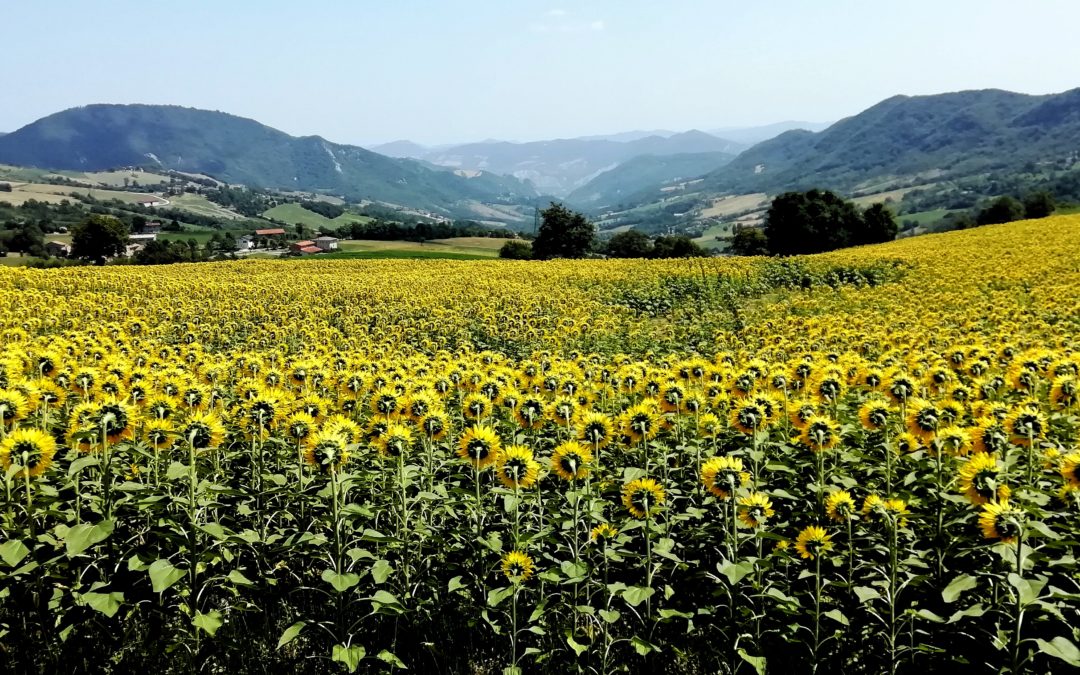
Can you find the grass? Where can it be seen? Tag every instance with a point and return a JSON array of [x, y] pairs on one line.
[[396, 254], [728, 206], [202, 206], [471, 247], [294, 214], [925, 217], [13, 260]]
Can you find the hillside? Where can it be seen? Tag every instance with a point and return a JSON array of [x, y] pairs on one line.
[[239, 150], [560, 166], [642, 173], [943, 135]]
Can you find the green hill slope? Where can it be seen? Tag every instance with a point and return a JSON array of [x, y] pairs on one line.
[[240, 150]]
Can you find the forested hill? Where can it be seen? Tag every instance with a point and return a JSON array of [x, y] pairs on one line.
[[239, 150]]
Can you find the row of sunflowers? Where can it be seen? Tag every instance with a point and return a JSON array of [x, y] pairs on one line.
[[644, 466]]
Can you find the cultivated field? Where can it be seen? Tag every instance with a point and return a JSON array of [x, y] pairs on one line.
[[863, 461], [295, 214]]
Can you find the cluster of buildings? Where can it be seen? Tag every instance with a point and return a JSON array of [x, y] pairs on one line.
[[323, 244]]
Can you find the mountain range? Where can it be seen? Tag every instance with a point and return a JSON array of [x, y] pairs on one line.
[[953, 134], [239, 150], [560, 166], [903, 139]]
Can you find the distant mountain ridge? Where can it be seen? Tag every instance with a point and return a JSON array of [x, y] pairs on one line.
[[946, 134], [562, 165], [636, 176], [240, 150]]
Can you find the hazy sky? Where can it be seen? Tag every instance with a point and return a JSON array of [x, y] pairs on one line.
[[365, 71]]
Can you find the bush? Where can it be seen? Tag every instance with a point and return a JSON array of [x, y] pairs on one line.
[[515, 249]]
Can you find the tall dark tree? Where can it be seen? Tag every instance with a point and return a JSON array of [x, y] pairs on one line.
[[677, 246], [1039, 204], [879, 225], [98, 238], [515, 249], [749, 241], [629, 244], [563, 234], [1001, 210], [810, 222], [28, 239]]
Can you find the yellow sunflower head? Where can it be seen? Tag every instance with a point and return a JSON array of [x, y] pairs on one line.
[[1001, 520], [480, 446], [840, 506], [755, 508], [31, 449], [723, 475], [570, 460], [813, 542], [517, 567], [642, 497]]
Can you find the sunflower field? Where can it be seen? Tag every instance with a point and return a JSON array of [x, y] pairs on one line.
[[864, 461]]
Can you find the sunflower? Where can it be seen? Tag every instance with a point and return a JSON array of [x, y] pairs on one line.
[[262, 412], [516, 467], [327, 451], [344, 427], [642, 496], [1000, 520], [479, 445], [595, 429], [434, 425], [562, 410], [900, 387], [1065, 392], [476, 406], [898, 510], [801, 414], [113, 418], [748, 417], [979, 479], [874, 414], [642, 421], [1026, 423], [31, 449], [299, 426], [923, 419], [202, 430], [709, 425], [989, 436], [570, 460], [812, 542], [755, 508], [723, 475], [395, 441], [1070, 468], [385, 402], [840, 506], [517, 566], [955, 440], [530, 413], [820, 433], [13, 406], [604, 533], [158, 433]]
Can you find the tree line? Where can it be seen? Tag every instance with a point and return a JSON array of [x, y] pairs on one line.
[[564, 233]]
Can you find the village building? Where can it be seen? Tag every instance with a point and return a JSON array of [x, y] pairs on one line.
[[57, 249], [245, 243], [298, 246], [151, 201], [326, 243]]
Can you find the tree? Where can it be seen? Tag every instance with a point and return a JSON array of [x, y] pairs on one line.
[[515, 249], [138, 223], [28, 239], [1039, 204], [1001, 210], [677, 246], [629, 244], [300, 229], [98, 238], [563, 234], [810, 222], [749, 241], [879, 225]]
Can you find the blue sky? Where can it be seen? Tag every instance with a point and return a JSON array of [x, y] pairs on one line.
[[365, 71]]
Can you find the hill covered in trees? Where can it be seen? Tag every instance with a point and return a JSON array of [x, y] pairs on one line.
[[239, 150]]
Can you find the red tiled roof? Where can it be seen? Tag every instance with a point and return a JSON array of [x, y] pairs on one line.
[[302, 244], [311, 249], [271, 231]]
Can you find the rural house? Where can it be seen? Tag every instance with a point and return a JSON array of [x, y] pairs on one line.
[[245, 243], [57, 249], [298, 246], [326, 243]]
